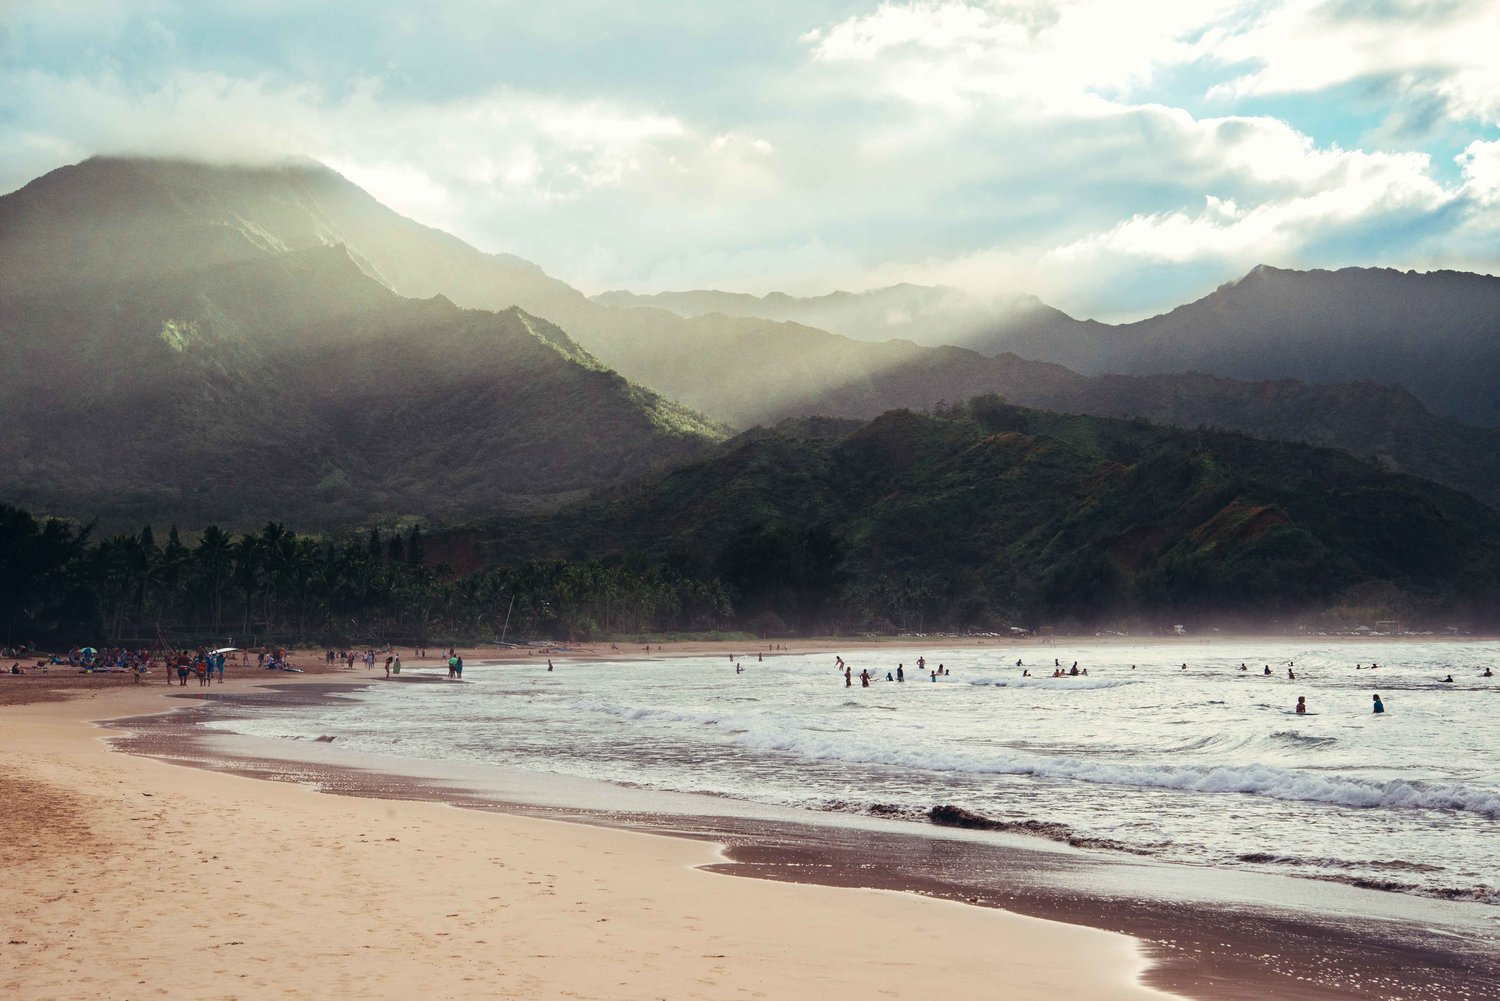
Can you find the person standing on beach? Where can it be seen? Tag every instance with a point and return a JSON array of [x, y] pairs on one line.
[[388, 667], [458, 667]]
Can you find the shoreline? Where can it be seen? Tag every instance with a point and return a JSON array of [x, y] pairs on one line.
[[1187, 942], [125, 877], [1283, 945]]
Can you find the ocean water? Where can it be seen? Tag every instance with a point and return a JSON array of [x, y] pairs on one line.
[[1207, 765]]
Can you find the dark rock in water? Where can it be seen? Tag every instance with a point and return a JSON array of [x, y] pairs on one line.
[[957, 816]]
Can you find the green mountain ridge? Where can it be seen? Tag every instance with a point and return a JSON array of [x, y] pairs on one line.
[[90, 244], [296, 386], [985, 514]]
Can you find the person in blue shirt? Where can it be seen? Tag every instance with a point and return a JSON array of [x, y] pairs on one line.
[[1379, 706]]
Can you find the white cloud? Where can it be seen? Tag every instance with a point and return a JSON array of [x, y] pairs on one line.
[[948, 53], [1443, 49], [1480, 163], [1037, 145]]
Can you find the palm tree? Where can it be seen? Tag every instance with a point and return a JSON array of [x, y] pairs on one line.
[[249, 559], [214, 559]]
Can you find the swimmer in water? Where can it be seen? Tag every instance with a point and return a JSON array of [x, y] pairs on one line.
[[1448, 680], [1302, 705], [864, 678], [1291, 675], [1268, 670], [1378, 707], [1487, 673]]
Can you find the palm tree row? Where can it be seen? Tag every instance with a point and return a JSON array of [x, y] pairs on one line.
[[274, 585]]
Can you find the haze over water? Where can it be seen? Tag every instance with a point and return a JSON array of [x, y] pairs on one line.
[[1207, 765]]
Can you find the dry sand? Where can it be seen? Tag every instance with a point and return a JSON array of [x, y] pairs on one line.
[[126, 877]]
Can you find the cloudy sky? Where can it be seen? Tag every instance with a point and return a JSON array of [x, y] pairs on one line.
[[1114, 158]]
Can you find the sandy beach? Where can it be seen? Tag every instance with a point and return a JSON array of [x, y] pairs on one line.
[[126, 877]]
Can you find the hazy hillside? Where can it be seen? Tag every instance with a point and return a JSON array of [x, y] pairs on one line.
[[111, 219], [102, 230], [295, 387], [930, 315], [1437, 334], [1036, 516]]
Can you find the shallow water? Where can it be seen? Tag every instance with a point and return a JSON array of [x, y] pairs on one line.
[[1207, 765]]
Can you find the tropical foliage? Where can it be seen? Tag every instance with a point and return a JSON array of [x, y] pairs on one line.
[[277, 585]]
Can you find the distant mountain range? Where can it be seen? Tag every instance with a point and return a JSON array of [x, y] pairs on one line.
[[924, 314], [265, 374], [201, 342], [1436, 334]]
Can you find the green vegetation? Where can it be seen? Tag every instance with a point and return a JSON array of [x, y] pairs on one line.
[[298, 388], [977, 516], [983, 515], [273, 585]]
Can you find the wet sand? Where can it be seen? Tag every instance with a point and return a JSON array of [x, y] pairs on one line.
[[126, 877], [1243, 936], [1197, 949]]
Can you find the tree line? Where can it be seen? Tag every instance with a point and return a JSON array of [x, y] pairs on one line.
[[57, 583]]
